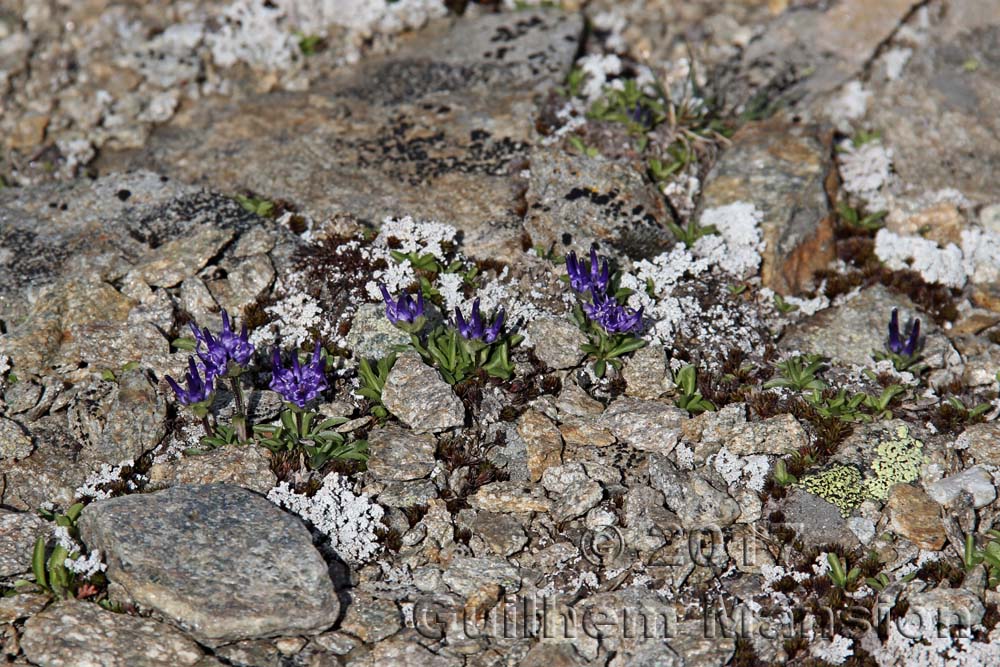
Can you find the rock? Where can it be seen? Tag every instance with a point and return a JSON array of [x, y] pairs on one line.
[[543, 442], [942, 608], [955, 70], [466, 576], [581, 432], [577, 500], [510, 497], [371, 619], [250, 652], [18, 533], [246, 281], [451, 112], [15, 441], [646, 373], [400, 454], [979, 442], [648, 426], [405, 650], [574, 201], [408, 493], [697, 503], [81, 634], [416, 394], [974, 481], [557, 342], [22, 605], [780, 169], [502, 533], [247, 466], [50, 474], [776, 435], [851, 331], [815, 521], [173, 552], [560, 479], [573, 400], [916, 517], [135, 423], [804, 54], [372, 336], [169, 264]]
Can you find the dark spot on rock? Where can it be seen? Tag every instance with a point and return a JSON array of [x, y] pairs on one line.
[[638, 209], [567, 238], [123, 195], [575, 194]]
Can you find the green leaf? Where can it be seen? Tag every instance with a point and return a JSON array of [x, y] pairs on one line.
[[38, 563], [600, 367]]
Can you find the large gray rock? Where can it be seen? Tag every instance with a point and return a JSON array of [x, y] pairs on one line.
[[650, 426], [691, 497], [451, 112], [81, 634], [931, 133], [218, 560]]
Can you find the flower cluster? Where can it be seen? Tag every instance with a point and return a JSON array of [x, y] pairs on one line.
[[458, 349], [604, 309], [197, 391], [299, 384], [225, 356], [475, 328], [610, 325]]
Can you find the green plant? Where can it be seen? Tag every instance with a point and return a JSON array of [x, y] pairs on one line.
[[799, 373], [862, 137], [879, 405], [309, 44], [262, 207], [630, 105], [781, 475], [839, 574], [582, 148], [967, 413], [990, 555], [879, 582], [869, 223], [691, 232], [691, 399], [783, 306], [574, 83], [49, 567], [456, 357], [296, 430], [372, 382]]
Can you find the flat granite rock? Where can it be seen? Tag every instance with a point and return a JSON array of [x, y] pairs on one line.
[[82, 634], [451, 112], [174, 551]]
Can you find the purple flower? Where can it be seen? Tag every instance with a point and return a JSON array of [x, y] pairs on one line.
[[475, 328], [896, 345], [404, 310], [611, 315], [197, 391], [583, 278], [218, 352], [299, 384], [640, 115]]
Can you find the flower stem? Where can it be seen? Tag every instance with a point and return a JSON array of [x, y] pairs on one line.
[[209, 431], [240, 420]]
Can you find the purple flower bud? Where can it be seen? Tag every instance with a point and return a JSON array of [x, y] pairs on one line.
[[896, 345], [403, 310], [299, 384], [611, 315], [475, 328], [583, 278], [218, 352], [197, 391]]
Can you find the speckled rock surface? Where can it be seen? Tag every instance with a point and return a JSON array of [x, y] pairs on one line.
[[416, 394], [19, 530], [182, 569], [84, 635]]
